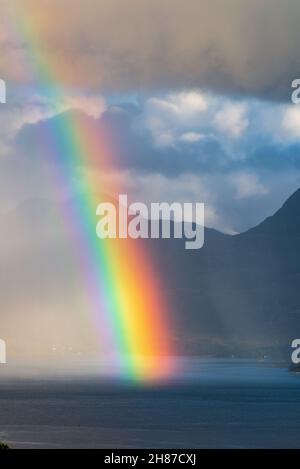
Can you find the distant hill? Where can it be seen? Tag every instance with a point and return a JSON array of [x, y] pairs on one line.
[[238, 295], [241, 292]]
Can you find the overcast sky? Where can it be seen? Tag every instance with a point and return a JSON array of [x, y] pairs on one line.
[[196, 94]]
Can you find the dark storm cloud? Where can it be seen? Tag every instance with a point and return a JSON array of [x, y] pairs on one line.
[[233, 46]]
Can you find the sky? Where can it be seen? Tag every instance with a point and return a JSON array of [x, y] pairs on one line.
[[195, 97]]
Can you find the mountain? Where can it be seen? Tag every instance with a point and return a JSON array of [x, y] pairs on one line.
[[237, 295], [240, 292]]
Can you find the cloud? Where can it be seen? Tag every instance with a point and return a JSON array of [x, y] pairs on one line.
[[167, 116], [191, 137], [195, 117], [248, 185], [248, 47], [291, 122], [38, 107], [201, 163], [232, 119], [234, 201], [26, 108], [184, 105]]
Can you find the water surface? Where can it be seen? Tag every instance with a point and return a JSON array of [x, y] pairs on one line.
[[212, 404]]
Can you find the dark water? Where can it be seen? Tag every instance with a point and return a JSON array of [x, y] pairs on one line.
[[214, 404]]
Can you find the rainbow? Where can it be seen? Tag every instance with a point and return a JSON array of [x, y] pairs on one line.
[[127, 298]]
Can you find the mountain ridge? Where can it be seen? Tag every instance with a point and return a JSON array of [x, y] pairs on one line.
[[237, 294]]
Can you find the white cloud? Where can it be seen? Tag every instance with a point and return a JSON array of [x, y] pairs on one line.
[[232, 119], [184, 106], [176, 114], [291, 122], [248, 185], [33, 108], [190, 116], [191, 137], [185, 188], [187, 104], [41, 107]]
